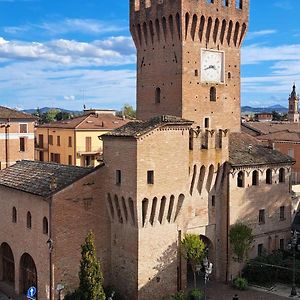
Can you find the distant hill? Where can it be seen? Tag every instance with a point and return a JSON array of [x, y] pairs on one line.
[[277, 108], [46, 109]]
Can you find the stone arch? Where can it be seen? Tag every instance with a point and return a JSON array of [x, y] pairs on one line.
[[236, 33], [118, 209], [145, 32], [193, 179], [201, 179], [201, 28], [28, 273], [187, 20], [145, 204], [240, 180], [164, 26], [269, 176], [216, 30], [244, 28], [131, 210], [153, 211], [229, 32], [171, 25], [178, 25], [7, 264], [110, 206], [281, 175], [208, 29], [139, 33], [151, 31], [194, 26], [125, 209], [255, 177], [157, 28], [223, 29], [170, 209], [179, 205], [162, 209], [209, 177]]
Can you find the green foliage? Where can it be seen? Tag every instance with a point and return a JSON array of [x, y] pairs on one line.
[[179, 296], [241, 239], [193, 249], [63, 115], [266, 269], [90, 275], [49, 116], [196, 294], [128, 111], [240, 283]]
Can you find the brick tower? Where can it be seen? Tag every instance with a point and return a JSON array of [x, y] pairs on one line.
[[293, 115], [188, 59]]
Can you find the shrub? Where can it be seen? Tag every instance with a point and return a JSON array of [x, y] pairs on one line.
[[179, 296], [240, 283], [196, 294]]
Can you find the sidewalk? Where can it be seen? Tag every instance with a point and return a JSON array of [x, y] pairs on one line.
[[219, 291]]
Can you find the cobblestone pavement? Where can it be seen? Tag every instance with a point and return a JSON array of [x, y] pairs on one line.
[[219, 291]]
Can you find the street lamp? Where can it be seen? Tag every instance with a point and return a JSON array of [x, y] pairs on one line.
[[294, 245]]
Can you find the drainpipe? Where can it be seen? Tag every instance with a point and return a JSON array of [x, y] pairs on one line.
[[7, 125], [227, 223]]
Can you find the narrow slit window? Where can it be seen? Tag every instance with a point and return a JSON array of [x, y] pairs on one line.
[[269, 176], [150, 177], [213, 94], [14, 215], [157, 95], [118, 177], [206, 122]]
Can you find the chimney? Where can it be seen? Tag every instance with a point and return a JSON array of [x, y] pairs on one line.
[[53, 183]]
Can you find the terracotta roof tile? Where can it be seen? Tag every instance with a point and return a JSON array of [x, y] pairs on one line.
[[35, 177], [283, 136], [245, 150], [270, 127], [89, 122], [8, 113], [138, 128]]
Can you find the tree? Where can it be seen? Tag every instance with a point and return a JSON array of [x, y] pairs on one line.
[[128, 111], [276, 116], [49, 116], [90, 275], [193, 250], [241, 239], [63, 115]]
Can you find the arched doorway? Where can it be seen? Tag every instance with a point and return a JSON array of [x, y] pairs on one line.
[[200, 271], [7, 264], [28, 273]]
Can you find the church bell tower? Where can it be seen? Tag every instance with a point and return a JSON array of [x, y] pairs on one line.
[[188, 59], [293, 115]]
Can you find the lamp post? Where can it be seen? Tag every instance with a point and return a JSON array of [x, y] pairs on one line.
[[294, 245]]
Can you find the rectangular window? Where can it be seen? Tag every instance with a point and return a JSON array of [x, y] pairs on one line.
[[50, 139], [41, 141], [282, 213], [150, 177], [260, 248], [52, 157], [70, 159], [206, 122], [55, 157], [41, 155], [213, 200], [118, 177], [70, 141], [88, 144], [58, 140], [281, 244], [23, 128], [261, 217], [22, 144]]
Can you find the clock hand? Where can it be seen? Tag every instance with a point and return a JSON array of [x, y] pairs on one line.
[[210, 67]]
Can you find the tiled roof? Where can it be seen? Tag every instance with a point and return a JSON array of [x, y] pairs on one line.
[[35, 177], [270, 127], [138, 128], [245, 150], [8, 113], [104, 121], [283, 136]]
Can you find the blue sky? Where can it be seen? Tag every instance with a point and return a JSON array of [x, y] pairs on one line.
[[65, 53]]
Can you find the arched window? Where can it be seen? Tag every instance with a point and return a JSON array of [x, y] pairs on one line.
[[282, 175], [226, 3], [191, 139], [255, 178], [157, 95], [45, 226], [241, 179], [29, 221], [213, 94], [269, 176], [14, 215], [239, 4]]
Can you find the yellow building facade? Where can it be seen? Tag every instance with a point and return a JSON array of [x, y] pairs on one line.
[[76, 141]]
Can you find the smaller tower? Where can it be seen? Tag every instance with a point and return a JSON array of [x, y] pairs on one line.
[[293, 115]]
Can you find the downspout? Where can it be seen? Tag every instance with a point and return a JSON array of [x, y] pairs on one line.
[[48, 144], [7, 125], [74, 145]]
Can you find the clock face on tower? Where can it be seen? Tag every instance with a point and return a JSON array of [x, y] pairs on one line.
[[212, 66]]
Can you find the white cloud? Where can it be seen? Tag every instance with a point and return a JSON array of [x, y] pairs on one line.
[[111, 52], [260, 33], [86, 26]]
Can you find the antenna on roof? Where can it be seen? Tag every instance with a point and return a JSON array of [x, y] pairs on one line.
[[83, 98]]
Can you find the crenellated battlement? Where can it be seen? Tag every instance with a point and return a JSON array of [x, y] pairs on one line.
[[222, 22]]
